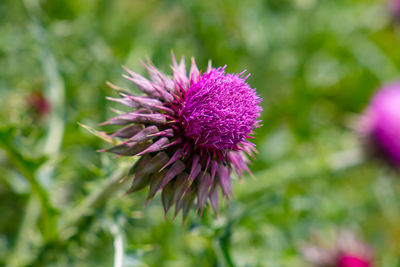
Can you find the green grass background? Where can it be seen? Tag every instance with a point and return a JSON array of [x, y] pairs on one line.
[[315, 63]]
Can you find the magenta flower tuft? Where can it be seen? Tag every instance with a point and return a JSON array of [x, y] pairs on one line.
[[345, 250], [220, 110], [190, 130], [381, 123]]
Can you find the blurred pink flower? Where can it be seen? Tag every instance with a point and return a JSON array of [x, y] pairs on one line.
[[38, 103], [345, 250], [348, 260], [394, 6], [381, 124]]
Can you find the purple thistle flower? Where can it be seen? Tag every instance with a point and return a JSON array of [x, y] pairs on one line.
[[394, 7], [381, 124], [190, 130], [344, 251]]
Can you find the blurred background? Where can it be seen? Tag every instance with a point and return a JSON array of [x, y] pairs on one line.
[[315, 63]]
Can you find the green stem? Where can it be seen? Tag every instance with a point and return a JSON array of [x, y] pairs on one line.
[[224, 246]]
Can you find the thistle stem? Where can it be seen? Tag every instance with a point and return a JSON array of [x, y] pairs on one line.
[[224, 246]]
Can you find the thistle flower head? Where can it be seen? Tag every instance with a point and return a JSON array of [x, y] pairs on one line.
[[190, 132], [381, 123], [394, 7], [345, 250]]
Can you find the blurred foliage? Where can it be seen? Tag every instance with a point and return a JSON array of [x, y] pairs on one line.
[[314, 62]]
